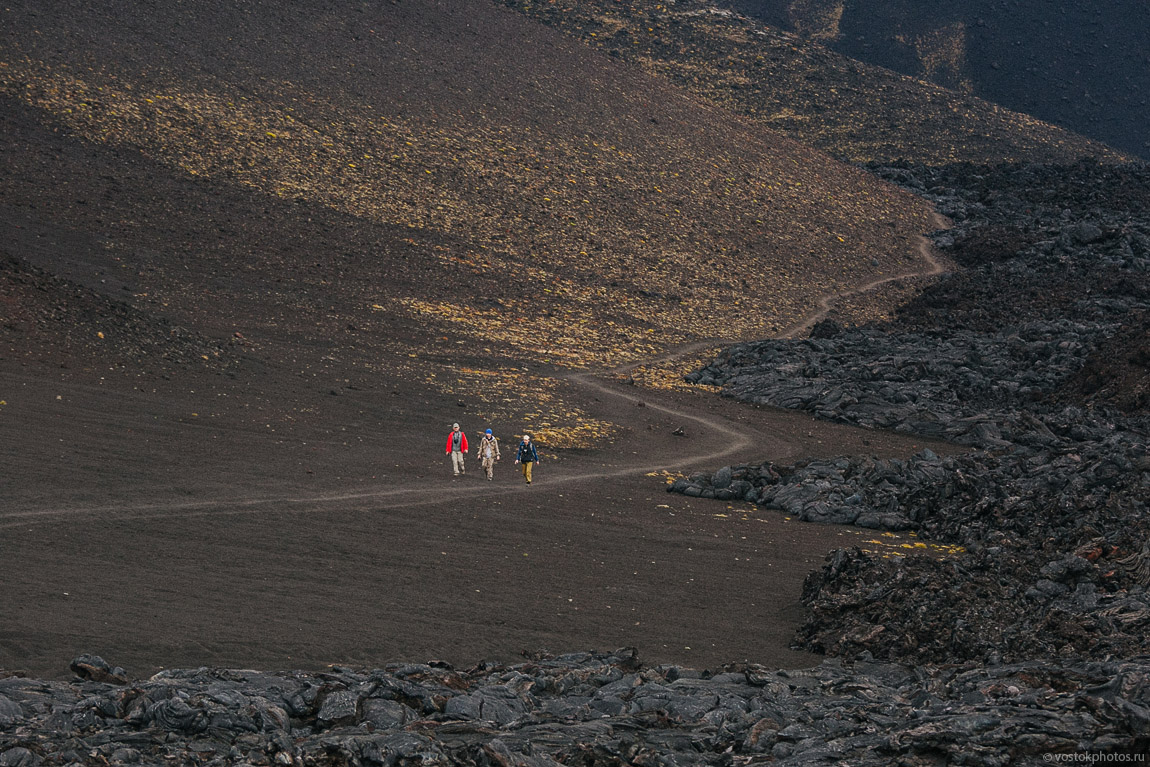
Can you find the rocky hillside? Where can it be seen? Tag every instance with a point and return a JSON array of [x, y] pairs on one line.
[[1079, 65], [590, 710], [854, 110]]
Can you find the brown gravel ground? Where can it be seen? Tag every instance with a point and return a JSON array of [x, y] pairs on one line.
[[138, 533]]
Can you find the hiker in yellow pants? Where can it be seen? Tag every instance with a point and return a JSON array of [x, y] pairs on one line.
[[526, 456]]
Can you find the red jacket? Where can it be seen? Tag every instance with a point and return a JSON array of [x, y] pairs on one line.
[[462, 441]]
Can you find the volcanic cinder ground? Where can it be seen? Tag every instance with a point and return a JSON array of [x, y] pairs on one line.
[[254, 264]]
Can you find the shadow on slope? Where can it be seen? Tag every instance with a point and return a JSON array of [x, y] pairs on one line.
[[1081, 66], [851, 109]]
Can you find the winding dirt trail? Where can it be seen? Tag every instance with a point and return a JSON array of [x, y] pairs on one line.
[[734, 438], [411, 494], [827, 302]]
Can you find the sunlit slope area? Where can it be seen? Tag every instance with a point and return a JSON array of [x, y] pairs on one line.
[[852, 110], [599, 212]]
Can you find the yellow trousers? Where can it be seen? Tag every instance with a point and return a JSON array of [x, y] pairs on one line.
[[527, 470]]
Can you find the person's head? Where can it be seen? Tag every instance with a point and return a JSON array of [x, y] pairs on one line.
[[455, 427], [526, 437], [488, 432]]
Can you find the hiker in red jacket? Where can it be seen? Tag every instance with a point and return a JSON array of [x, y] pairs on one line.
[[456, 447]]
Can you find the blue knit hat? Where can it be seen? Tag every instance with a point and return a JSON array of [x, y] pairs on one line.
[[489, 431]]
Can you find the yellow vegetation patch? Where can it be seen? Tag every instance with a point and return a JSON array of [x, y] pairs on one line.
[[531, 404], [894, 545], [667, 476], [669, 373], [573, 339]]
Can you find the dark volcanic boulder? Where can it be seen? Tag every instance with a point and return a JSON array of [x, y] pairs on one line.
[[985, 390], [96, 669], [10, 711], [1117, 373]]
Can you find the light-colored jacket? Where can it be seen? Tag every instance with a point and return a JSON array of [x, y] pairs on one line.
[[488, 443]]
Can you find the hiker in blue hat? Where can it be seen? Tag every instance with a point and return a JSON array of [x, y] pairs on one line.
[[488, 453]]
